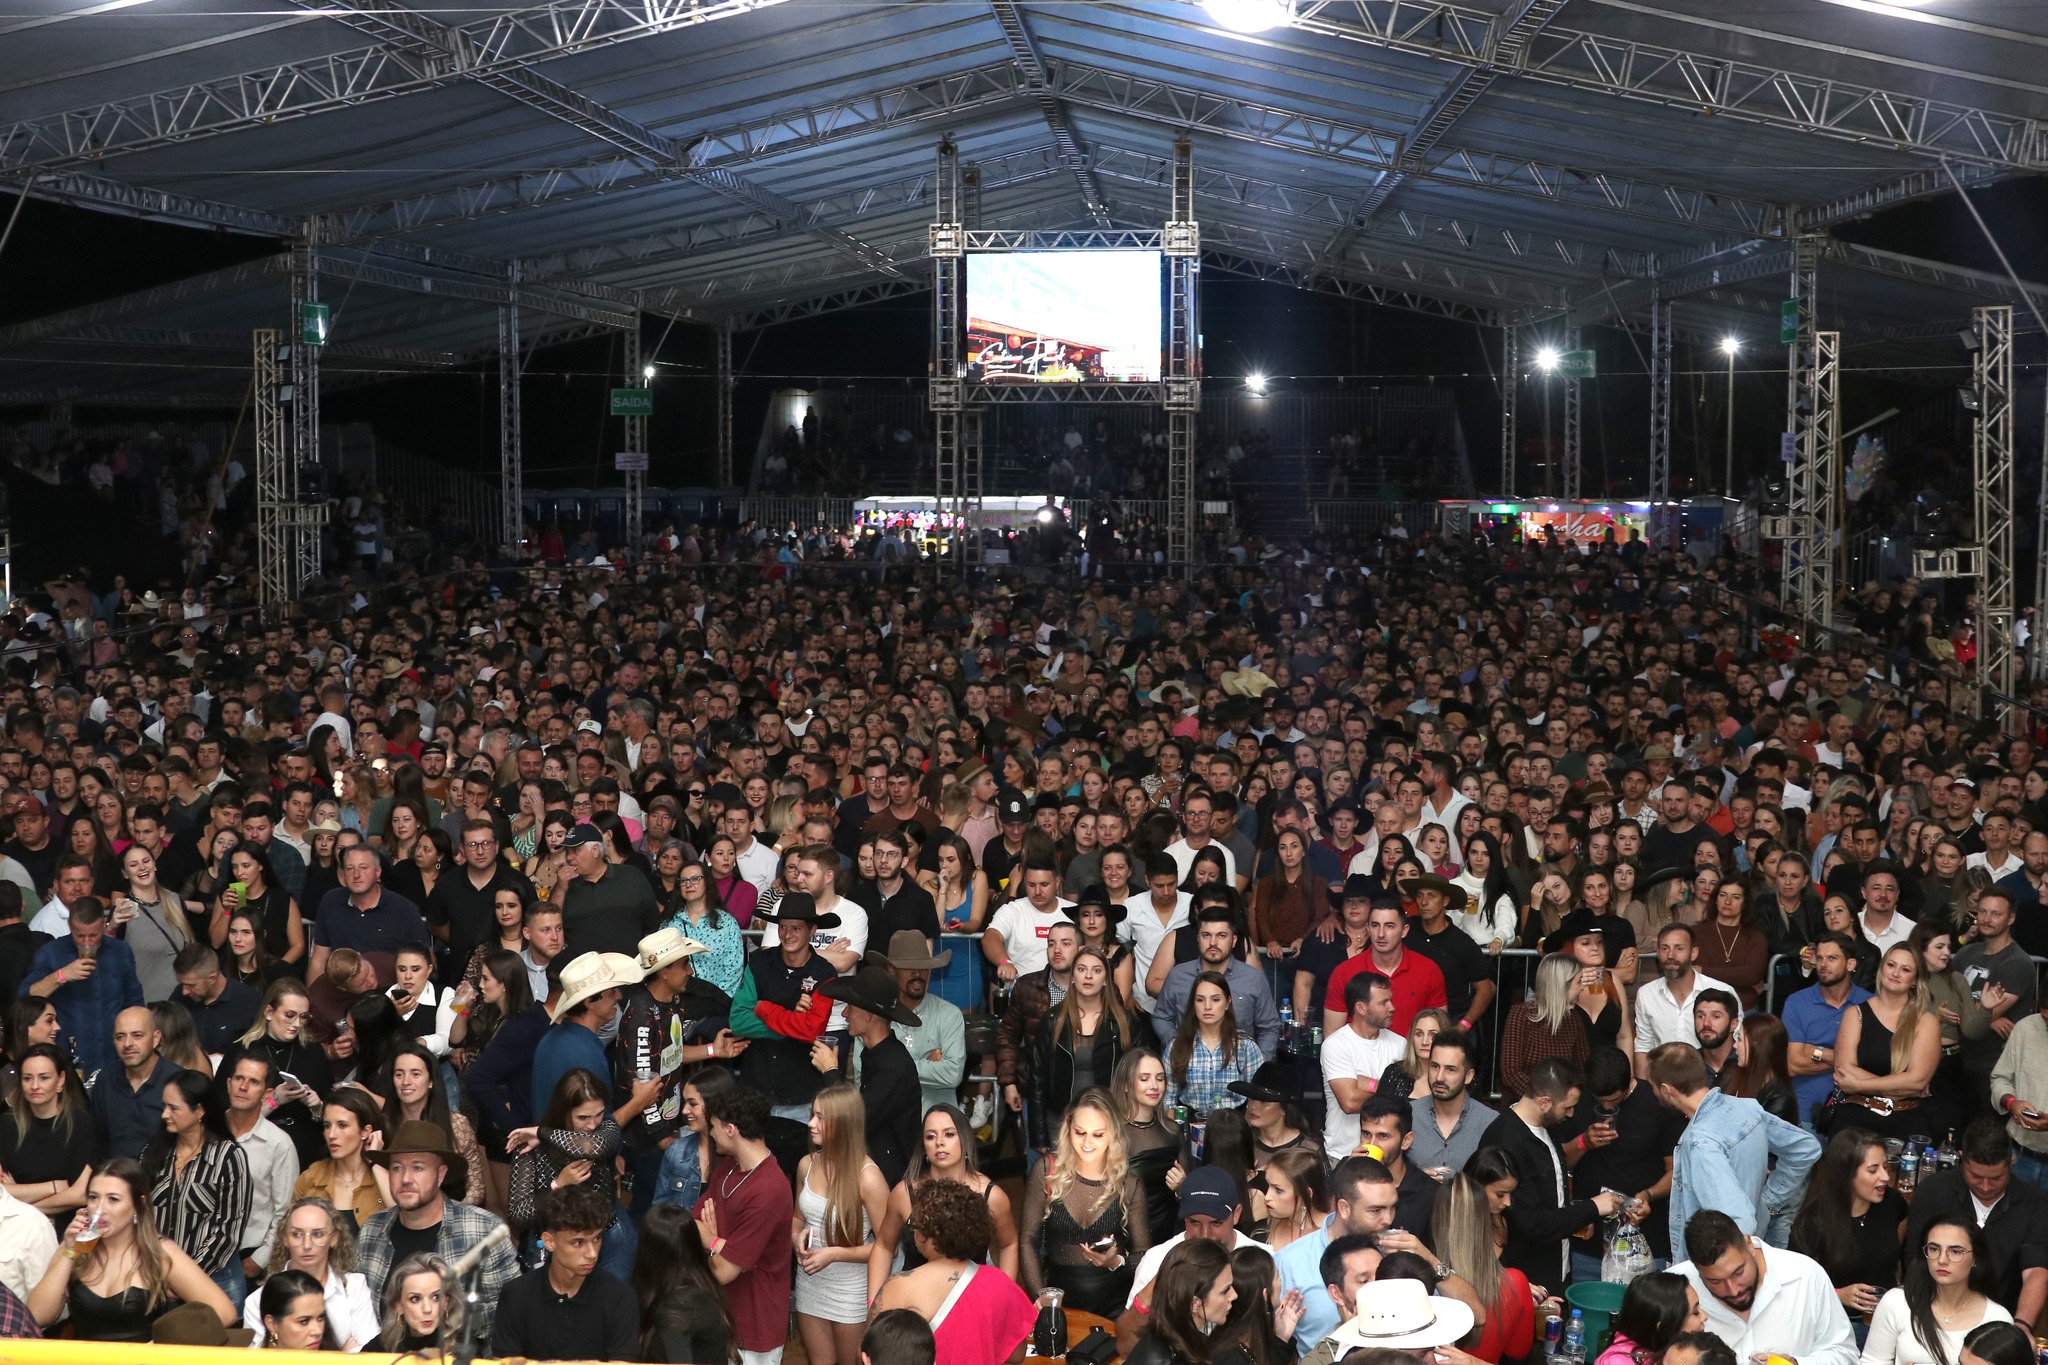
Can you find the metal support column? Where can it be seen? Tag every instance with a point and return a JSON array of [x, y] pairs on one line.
[[1991, 445], [1510, 392], [1663, 514], [511, 458], [970, 490], [725, 385], [1572, 426], [2038, 639], [300, 528], [1799, 419], [273, 468], [1183, 247], [944, 389], [1810, 544], [636, 441]]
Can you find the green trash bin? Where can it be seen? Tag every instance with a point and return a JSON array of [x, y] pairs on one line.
[[1596, 1301]]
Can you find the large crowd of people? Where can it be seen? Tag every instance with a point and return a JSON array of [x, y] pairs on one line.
[[1341, 956]]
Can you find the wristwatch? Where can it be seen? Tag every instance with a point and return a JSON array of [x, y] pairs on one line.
[[1816, 1054]]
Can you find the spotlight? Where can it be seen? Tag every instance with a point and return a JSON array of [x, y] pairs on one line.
[[1546, 359], [1970, 400], [1730, 345], [1249, 16], [1255, 382], [1046, 515], [647, 372]]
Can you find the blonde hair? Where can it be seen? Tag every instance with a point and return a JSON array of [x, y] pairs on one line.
[[840, 1158], [1065, 1164], [1552, 998], [1918, 1003], [280, 990], [1462, 1229], [341, 1245], [1411, 1063]]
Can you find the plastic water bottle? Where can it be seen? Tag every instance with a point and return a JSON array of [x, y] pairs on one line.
[[1909, 1169], [1574, 1347], [1287, 1048]]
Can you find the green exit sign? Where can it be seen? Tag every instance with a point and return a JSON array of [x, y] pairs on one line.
[[1577, 365], [632, 402], [1788, 323], [313, 319]]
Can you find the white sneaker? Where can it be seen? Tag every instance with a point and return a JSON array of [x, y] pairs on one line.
[[982, 1115]]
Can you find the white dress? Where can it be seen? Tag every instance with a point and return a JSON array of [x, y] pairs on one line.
[[839, 1292], [1893, 1341]]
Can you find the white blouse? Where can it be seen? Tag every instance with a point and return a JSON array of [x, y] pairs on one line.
[[1893, 1341], [351, 1312]]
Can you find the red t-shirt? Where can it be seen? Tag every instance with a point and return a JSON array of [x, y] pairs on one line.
[[754, 1212], [1418, 985]]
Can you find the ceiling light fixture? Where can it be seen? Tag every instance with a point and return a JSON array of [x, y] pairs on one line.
[[1250, 16]]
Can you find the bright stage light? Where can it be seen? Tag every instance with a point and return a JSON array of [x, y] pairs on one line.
[[1046, 516], [1249, 16], [1730, 345], [1255, 382], [1546, 359], [647, 372]]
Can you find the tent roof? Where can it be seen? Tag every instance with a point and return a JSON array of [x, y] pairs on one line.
[[751, 160]]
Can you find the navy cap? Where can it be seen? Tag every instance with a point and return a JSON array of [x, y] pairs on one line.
[[582, 834], [1208, 1192]]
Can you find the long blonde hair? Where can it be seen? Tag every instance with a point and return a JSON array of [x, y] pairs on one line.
[[840, 1158], [1065, 1163], [1552, 999], [1462, 1228], [1918, 1003], [280, 990]]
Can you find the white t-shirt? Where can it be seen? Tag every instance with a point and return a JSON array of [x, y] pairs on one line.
[[1183, 855], [1024, 928], [1143, 931], [1149, 1263], [1347, 1056]]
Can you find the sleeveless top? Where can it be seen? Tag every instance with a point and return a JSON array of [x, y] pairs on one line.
[[907, 1243], [1874, 1048], [124, 1317], [1603, 1031]]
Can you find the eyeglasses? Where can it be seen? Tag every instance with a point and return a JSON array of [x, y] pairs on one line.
[[1937, 1252]]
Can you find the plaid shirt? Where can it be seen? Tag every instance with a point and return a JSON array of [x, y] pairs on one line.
[[1209, 1076], [15, 1319], [462, 1227]]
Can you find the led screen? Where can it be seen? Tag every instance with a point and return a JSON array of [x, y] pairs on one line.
[[1063, 317]]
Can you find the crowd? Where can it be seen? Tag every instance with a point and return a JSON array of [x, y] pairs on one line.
[[655, 959]]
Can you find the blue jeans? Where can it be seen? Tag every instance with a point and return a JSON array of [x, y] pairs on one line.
[[645, 1164], [621, 1242], [2029, 1167], [232, 1281]]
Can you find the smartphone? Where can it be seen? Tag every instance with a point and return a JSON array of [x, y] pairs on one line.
[[286, 1081], [2030, 1113], [1103, 1243]]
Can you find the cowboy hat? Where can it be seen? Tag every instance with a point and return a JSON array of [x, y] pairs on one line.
[[1097, 895], [798, 907], [1402, 1315], [1268, 1085], [414, 1136], [593, 974], [194, 1324], [664, 946], [1453, 894], [1579, 923], [909, 951], [871, 989], [1356, 887]]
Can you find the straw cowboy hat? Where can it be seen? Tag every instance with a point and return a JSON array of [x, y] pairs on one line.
[[594, 974], [1401, 1315], [909, 951], [664, 946]]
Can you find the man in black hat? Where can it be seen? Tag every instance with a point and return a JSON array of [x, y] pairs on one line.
[[607, 907], [940, 1042], [1468, 974], [888, 1077], [1340, 939], [780, 1009], [1000, 857]]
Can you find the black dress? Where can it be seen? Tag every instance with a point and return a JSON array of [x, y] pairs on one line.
[[1603, 1032], [1874, 1054], [124, 1317], [1150, 1150]]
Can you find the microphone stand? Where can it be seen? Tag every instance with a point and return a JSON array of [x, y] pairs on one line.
[[465, 1350]]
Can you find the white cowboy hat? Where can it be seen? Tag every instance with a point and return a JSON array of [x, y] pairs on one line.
[[593, 974], [1402, 1315], [664, 946]]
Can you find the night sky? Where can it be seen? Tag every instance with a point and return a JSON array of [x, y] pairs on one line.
[[61, 257]]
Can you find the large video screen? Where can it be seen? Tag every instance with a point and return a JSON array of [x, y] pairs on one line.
[[1063, 317]]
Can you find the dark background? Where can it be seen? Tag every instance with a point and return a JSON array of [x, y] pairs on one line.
[[61, 257]]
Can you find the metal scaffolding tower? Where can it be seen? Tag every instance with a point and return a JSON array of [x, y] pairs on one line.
[[1814, 481], [725, 385], [1510, 393], [944, 393], [1572, 425], [1182, 242], [1991, 446], [275, 560], [636, 443], [511, 457], [1663, 514], [305, 367]]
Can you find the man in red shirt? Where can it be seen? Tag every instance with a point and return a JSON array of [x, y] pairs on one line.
[[1418, 982], [743, 1218]]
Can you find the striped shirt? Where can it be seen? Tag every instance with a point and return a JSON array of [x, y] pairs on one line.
[[204, 1207]]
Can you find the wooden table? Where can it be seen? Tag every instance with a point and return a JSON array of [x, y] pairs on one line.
[[1078, 1327]]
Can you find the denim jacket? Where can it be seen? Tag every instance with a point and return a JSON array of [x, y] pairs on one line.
[[1724, 1162], [681, 1178]]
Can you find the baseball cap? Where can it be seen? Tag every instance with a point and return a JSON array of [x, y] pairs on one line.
[[1012, 807], [589, 727], [1208, 1192], [582, 834]]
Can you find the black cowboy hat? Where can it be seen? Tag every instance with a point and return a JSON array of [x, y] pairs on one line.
[[1269, 1085], [798, 907], [1098, 895], [874, 990], [1577, 924]]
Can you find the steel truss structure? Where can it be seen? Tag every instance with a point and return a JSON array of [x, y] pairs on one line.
[[1991, 451], [1573, 424], [636, 444], [1663, 513], [1510, 405], [1808, 569], [274, 557], [725, 382], [511, 448]]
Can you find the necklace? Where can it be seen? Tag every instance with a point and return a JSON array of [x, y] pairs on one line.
[[728, 1190], [1727, 947]]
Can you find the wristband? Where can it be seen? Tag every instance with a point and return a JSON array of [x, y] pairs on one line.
[[61, 978], [718, 1246]]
